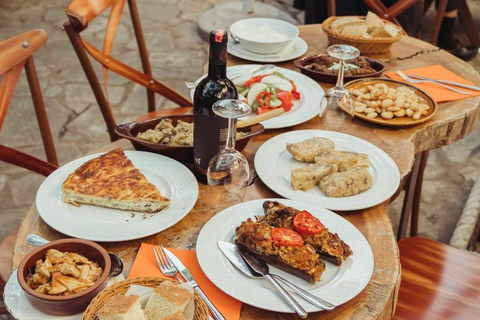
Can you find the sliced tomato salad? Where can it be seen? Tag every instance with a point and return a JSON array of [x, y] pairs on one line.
[[286, 237], [267, 92], [305, 223]]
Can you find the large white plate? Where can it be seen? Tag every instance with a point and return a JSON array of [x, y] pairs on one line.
[[172, 178], [274, 163], [306, 108], [338, 284], [299, 47]]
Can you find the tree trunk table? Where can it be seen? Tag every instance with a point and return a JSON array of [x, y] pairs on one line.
[[453, 121]]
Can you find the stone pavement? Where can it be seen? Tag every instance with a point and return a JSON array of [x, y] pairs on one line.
[[178, 54]]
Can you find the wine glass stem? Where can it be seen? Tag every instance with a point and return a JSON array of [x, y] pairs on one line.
[[340, 74], [232, 129]]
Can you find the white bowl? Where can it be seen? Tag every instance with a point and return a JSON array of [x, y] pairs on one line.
[[263, 35]]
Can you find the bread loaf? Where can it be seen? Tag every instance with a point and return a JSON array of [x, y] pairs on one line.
[[340, 23], [355, 31], [121, 308], [373, 21], [167, 300], [386, 30]]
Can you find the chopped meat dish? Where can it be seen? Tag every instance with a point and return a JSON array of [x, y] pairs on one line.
[[327, 64]]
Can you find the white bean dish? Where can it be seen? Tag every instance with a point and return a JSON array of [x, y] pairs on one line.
[[390, 102]]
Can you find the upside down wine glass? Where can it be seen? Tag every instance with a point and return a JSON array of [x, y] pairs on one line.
[[339, 100], [228, 170]]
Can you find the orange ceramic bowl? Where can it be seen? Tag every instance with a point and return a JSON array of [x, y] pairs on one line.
[[70, 304]]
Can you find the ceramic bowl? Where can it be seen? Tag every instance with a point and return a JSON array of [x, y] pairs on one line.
[[70, 304], [301, 63], [264, 35], [180, 153]]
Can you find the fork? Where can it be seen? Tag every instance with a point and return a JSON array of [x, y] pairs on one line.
[[408, 79], [167, 267]]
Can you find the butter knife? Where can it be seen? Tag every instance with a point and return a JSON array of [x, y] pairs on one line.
[[189, 278], [461, 85]]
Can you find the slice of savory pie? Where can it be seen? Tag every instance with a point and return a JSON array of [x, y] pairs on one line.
[[112, 181]]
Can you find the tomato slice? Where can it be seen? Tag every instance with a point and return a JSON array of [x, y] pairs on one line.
[[286, 237], [287, 106], [305, 223], [253, 80]]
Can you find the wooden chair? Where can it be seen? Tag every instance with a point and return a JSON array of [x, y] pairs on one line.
[[465, 18], [15, 55], [81, 13], [438, 281]]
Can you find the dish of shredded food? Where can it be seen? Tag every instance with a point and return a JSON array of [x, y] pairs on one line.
[[63, 273], [329, 65], [167, 134]]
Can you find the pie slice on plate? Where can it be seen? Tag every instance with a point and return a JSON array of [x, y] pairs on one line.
[[112, 181]]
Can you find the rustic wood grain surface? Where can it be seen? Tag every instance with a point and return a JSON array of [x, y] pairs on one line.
[[452, 122]]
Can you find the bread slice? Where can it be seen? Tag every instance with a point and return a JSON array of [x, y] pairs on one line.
[[385, 31], [338, 24], [373, 21], [176, 316], [355, 31], [121, 308], [112, 181], [167, 300]]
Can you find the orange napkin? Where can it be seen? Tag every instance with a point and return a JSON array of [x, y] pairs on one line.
[[438, 93], [145, 265]]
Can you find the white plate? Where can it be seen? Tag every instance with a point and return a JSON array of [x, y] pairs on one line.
[[172, 178], [337, 285], [298, 48], [303, 110], [274, 163]]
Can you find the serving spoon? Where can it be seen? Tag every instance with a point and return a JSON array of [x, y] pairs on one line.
[[117, 262]]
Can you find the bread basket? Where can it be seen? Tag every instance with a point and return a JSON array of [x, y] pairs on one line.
[[365, 45], [201, 310]]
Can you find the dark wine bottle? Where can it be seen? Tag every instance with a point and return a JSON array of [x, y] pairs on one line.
[[210, 130]]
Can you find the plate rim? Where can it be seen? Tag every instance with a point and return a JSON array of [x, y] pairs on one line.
[[50, 184], [330, 203], [205, 237], [301, 44]]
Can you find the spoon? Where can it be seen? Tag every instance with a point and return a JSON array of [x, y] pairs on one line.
[[117, 262]]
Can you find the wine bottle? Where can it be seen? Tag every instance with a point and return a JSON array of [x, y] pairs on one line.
[[210, 130]]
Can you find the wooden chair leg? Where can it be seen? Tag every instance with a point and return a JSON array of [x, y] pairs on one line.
[[466, 19], [411, 201], [331, 9], [437, 22]]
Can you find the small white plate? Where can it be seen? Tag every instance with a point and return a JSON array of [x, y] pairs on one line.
[[172, 178], [338, 284], [274, 163], [309, 105], [297, 48]]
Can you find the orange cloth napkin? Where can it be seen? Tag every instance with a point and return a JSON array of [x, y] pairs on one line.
[[145, 265], [438, 93]]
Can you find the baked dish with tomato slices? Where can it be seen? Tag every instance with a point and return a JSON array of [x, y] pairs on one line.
[[292, 240]]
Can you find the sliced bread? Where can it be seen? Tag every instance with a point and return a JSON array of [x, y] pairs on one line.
[[167, 299], [121, 308]]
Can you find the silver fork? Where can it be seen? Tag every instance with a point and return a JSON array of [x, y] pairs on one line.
[[166, 266], [408, 79]]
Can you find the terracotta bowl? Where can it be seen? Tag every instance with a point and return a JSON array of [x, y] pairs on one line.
[[180, 153], [71, 304]]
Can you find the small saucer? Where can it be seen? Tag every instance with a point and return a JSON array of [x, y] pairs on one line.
[[298, 48]]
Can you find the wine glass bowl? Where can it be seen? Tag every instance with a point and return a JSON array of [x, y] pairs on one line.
[[228, 171], [339, 99]]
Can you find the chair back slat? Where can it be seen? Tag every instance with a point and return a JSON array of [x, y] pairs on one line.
[[7, 87], [81, 12]]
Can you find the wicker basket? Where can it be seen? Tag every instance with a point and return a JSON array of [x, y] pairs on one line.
[[201, 310], [365, 45]]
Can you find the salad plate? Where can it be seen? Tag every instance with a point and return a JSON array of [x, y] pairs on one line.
[[307, 107], [172, 178], [274, 163], [297, 48], [338, 284]]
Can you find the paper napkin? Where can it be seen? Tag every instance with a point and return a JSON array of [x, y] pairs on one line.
[[145, 265], [438, 93]]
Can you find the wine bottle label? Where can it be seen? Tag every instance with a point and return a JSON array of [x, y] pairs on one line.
[[210, 135]]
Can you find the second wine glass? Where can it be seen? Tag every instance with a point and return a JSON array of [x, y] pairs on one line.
[[339, 100], [228, 171]]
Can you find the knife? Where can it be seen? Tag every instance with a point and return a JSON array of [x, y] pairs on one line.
[[230, 251], [461, 85], [189, 278], [262, 268]]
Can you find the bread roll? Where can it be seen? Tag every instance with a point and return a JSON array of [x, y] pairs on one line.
[[121, 308], [167, 299], [373, 21]]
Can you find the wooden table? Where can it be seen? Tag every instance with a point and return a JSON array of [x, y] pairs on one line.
[[377, 301]]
